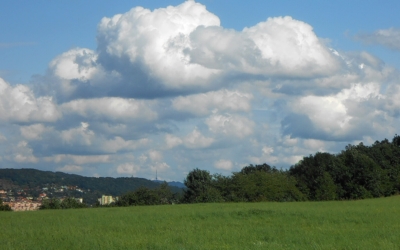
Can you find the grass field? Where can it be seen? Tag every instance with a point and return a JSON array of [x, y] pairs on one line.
[[364, 224]]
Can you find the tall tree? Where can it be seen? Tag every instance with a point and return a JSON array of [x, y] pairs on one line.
[[200, 188]]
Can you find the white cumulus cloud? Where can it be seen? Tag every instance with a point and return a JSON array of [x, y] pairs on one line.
[[279, 46], [196, 140], [128, 168], [23, 153], [223, 164], [155, 41], [342, 114], [112, 108], [77, 64], [32, 132], [230, 125], [222, 100], [19, 104]]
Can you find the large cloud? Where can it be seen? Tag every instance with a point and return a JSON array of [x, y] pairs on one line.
[[151, 44], [280, 46], [183, 49], [336, 117]]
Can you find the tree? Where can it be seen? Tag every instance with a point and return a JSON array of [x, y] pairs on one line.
[[200, 188], [366, 175], [327, 188], [264, 167], [396, 140], [224, 185], [4, 207], [164, 194], [51, 204], [315, 173], [265, 186], [70, 202], [145, 196]]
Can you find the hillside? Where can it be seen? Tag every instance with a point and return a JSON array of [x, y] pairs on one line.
[[33, 179]]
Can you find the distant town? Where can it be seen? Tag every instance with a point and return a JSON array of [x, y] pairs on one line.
[[31, 199], [29, 189]]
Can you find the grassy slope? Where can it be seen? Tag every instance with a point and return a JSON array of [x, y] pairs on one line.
[[365, 224]]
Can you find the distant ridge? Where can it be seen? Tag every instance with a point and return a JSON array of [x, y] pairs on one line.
[[34, 179]]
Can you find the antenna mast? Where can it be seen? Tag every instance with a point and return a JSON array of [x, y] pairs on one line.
[[156, 175]]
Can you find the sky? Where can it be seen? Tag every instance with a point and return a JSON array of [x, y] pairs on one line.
[[128, 88]]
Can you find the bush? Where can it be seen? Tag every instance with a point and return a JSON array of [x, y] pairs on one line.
[[4, 207]]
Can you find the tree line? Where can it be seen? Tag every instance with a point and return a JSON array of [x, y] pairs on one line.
[[357, 172], [66, 203]]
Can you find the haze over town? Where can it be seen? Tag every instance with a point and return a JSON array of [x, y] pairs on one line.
[[131, 88]]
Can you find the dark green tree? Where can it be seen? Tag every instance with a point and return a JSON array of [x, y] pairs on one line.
[[71, 202], [263, 167], [200, 188], [4, 207], [316, 175], [51, 204], [368, 177], [265, 186], [145, 196]]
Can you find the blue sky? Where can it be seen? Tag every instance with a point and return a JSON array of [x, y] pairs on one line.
[[216, 85]]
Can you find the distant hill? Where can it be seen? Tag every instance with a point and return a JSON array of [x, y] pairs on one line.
[[33, 179], [172, 183]]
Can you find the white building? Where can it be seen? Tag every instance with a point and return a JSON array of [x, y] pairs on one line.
[[106, 199]]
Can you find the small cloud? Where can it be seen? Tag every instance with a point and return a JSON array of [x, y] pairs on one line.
[[71, 168], [389, 38], [160, 167], [16, 44], [23, 153], [128, 168], [172, 141], [112, 109], [204, 103], [197, 140], [224, 165], [230, 125], [155, 156], [32, 132], [2, 138]]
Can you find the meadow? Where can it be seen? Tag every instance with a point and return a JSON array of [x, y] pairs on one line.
[[362, 224]]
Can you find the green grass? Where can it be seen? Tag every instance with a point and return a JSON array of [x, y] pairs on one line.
[[364, 224]]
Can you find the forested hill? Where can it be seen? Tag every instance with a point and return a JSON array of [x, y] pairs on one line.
[[33, 178]]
